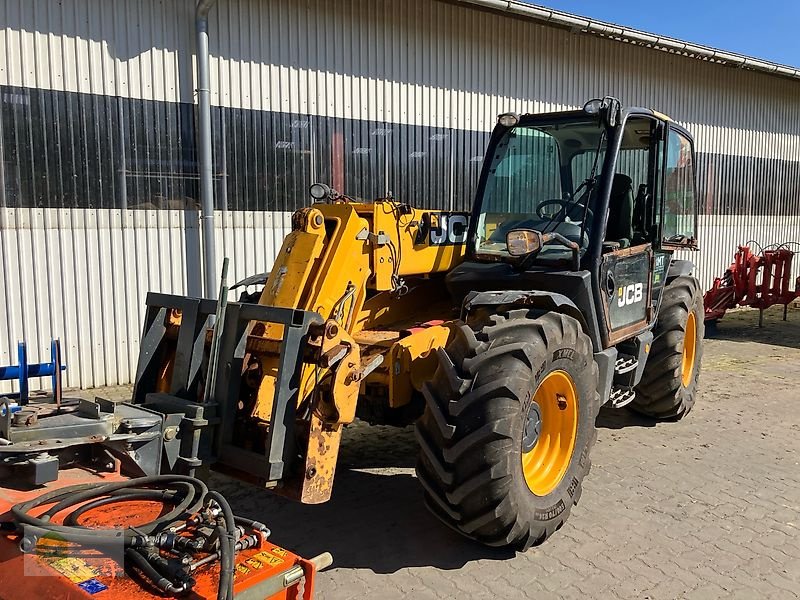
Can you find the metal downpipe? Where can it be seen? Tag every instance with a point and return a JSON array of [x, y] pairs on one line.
[[204, 146]]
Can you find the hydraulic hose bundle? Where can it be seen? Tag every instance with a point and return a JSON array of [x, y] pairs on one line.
[[163, 550]]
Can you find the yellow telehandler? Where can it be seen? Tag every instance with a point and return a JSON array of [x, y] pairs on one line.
[[500, 332]]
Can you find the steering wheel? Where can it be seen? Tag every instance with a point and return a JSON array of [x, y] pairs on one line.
[[570, 209]]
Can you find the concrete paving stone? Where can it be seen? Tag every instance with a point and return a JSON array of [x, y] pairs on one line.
[[780, 594], [630, 589], [761, 583], [596, 584], [782, 583], [560, 579], [669, 589], [705, 508], [791, 570], [743, 593]]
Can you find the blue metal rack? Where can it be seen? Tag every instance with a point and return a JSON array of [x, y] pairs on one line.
[[24, 371]]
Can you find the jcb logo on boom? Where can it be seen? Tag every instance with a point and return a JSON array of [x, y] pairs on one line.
[[630, 294], [448, 228]]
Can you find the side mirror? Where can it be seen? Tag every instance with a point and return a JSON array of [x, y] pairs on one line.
[[592, 107], [522, 242], [527, 243]]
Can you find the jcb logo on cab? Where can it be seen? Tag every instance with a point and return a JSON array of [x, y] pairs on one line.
[[630, 294]]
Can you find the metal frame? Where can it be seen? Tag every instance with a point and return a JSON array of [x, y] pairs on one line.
[[220, 398], [43, 437], [195, 313], [225, 393]]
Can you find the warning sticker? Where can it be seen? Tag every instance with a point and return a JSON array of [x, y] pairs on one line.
[[278, 551], [92, 586], [74, 569], [268, 559], [260, 560]]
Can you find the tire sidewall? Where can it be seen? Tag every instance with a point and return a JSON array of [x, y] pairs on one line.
[[661, 394], [569, 359]]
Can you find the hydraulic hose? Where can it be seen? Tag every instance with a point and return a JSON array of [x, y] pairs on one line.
[[161, 582], [252, 524], [192, 497], [165, 496], [227, 546], [188, 497]]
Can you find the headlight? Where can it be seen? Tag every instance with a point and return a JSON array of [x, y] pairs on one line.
[[508, 119], [319, 191]]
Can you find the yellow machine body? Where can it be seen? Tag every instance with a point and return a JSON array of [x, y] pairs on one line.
[[375, 273]]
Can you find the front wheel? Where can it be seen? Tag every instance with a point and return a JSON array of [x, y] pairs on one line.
[[669, 382], [508, 427]]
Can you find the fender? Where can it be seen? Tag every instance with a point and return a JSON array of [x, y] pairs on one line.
[[552, 302], [679, 268], [538, 300]]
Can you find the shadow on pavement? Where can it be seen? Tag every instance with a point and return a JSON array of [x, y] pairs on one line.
[[376, 518], [619, 418], [742, 326]]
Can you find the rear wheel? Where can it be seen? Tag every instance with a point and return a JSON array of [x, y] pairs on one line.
[[508, 426], [669, 382]]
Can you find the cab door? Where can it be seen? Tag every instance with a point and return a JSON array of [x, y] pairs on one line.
[[626, 282], [673, 220], [627, 288]]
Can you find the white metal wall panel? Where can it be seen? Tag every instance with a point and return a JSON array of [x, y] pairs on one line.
[[430, 63], [82, 274], [130, 48]]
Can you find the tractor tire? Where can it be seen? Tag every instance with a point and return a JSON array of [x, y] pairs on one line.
[[508, 427], [669, 381]]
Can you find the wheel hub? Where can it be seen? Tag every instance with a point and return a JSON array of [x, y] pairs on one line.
[[533, 427], [549, 433]]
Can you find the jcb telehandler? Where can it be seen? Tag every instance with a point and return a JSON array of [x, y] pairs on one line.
[[500, 332]]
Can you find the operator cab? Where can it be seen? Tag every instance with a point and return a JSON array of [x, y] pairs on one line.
[[549, 173], [603, 194]]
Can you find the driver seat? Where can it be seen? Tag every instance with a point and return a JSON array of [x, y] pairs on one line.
[[620, 211]]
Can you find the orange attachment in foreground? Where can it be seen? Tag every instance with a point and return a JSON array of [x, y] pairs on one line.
[[60, 571]]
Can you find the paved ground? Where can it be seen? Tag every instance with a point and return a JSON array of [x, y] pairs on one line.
[[705, 508]]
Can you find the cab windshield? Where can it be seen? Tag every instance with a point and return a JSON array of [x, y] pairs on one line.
[[541, 177]]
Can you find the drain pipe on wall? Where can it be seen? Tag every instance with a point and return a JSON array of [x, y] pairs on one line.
[[204, 145]]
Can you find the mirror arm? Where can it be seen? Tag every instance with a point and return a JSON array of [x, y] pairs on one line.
[[576, 249], [526, 260]]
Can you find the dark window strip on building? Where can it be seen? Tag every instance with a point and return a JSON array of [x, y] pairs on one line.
[[72, 150]]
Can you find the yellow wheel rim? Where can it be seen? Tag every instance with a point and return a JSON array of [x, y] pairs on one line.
[[689, 350], [555, 404]]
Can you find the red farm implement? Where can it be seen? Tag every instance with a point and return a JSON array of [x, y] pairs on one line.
[[755, 280]]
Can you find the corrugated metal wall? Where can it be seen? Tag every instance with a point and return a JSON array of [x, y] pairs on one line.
[[98, 196]]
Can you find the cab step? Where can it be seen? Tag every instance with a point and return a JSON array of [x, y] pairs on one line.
[[625, 364], [621, 396]]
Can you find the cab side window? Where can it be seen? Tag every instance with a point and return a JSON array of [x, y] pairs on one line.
[[678, 225]]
